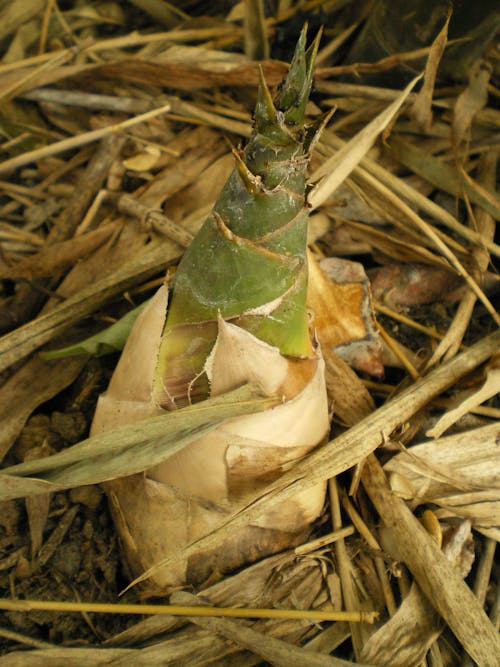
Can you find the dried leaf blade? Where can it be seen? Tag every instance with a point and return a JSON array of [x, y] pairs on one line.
[[129, 449]]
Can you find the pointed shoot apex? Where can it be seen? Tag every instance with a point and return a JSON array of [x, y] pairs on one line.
[[265, 111], [296, 88]]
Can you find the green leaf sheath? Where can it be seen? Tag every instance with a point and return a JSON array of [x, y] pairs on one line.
[[248, 261]]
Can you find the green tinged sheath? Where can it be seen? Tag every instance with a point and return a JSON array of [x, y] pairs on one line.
[[248, 262]]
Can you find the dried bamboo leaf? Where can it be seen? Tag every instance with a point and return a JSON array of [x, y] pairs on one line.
[[335, 170], [256, 43], [14, 487], [158, 72], [489, 389], [406, 192], [37, 507], [190, 646], [8, 166], [421, 109], [401, 248], [443, 176], [432, 234], [14, 14], [483, 509], [276, 651], [470, 102], [127, 450], [457, 473], [464, 461], [162, 12], [354, 205], [144, 161], [52, 259], [71, 657]]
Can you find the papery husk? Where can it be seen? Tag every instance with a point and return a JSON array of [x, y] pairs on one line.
[[459, 473], [159, 512], [339, 297]]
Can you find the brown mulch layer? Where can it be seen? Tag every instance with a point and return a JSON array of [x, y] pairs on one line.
[[116, 127]]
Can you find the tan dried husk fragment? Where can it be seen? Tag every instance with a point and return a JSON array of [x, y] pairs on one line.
[[193, 491], [458, 473]]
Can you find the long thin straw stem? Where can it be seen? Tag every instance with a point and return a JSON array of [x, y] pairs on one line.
[[177, 610]]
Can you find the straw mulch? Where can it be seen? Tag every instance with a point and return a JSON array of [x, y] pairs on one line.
[[117, 122]]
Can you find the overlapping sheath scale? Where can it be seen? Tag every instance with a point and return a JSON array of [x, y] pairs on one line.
[[248, 261]]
